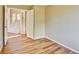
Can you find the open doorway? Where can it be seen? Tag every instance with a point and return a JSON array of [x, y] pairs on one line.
[[17, 21]]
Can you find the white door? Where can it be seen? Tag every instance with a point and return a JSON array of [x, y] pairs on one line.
[[30, 23], [7, 15]]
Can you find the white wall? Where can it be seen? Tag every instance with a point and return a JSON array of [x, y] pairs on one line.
[[1, 26], [39, 22], [62, 25]]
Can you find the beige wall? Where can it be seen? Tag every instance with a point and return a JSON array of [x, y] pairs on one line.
[[62, 25], [39, 22], [1, 26]]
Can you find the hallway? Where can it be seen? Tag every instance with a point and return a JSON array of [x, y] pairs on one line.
[[26, 45]]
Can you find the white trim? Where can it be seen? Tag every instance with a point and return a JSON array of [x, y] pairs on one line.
[[13, 36], [17, 8], [62, 44], [35, 38]]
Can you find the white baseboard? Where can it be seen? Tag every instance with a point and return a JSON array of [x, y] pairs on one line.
[[62, 44], [13, 36], [38, 37]]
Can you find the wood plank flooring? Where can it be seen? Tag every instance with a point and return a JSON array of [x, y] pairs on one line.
[[26, 45]]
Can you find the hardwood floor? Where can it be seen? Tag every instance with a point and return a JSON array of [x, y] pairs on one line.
[[26, 45]]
